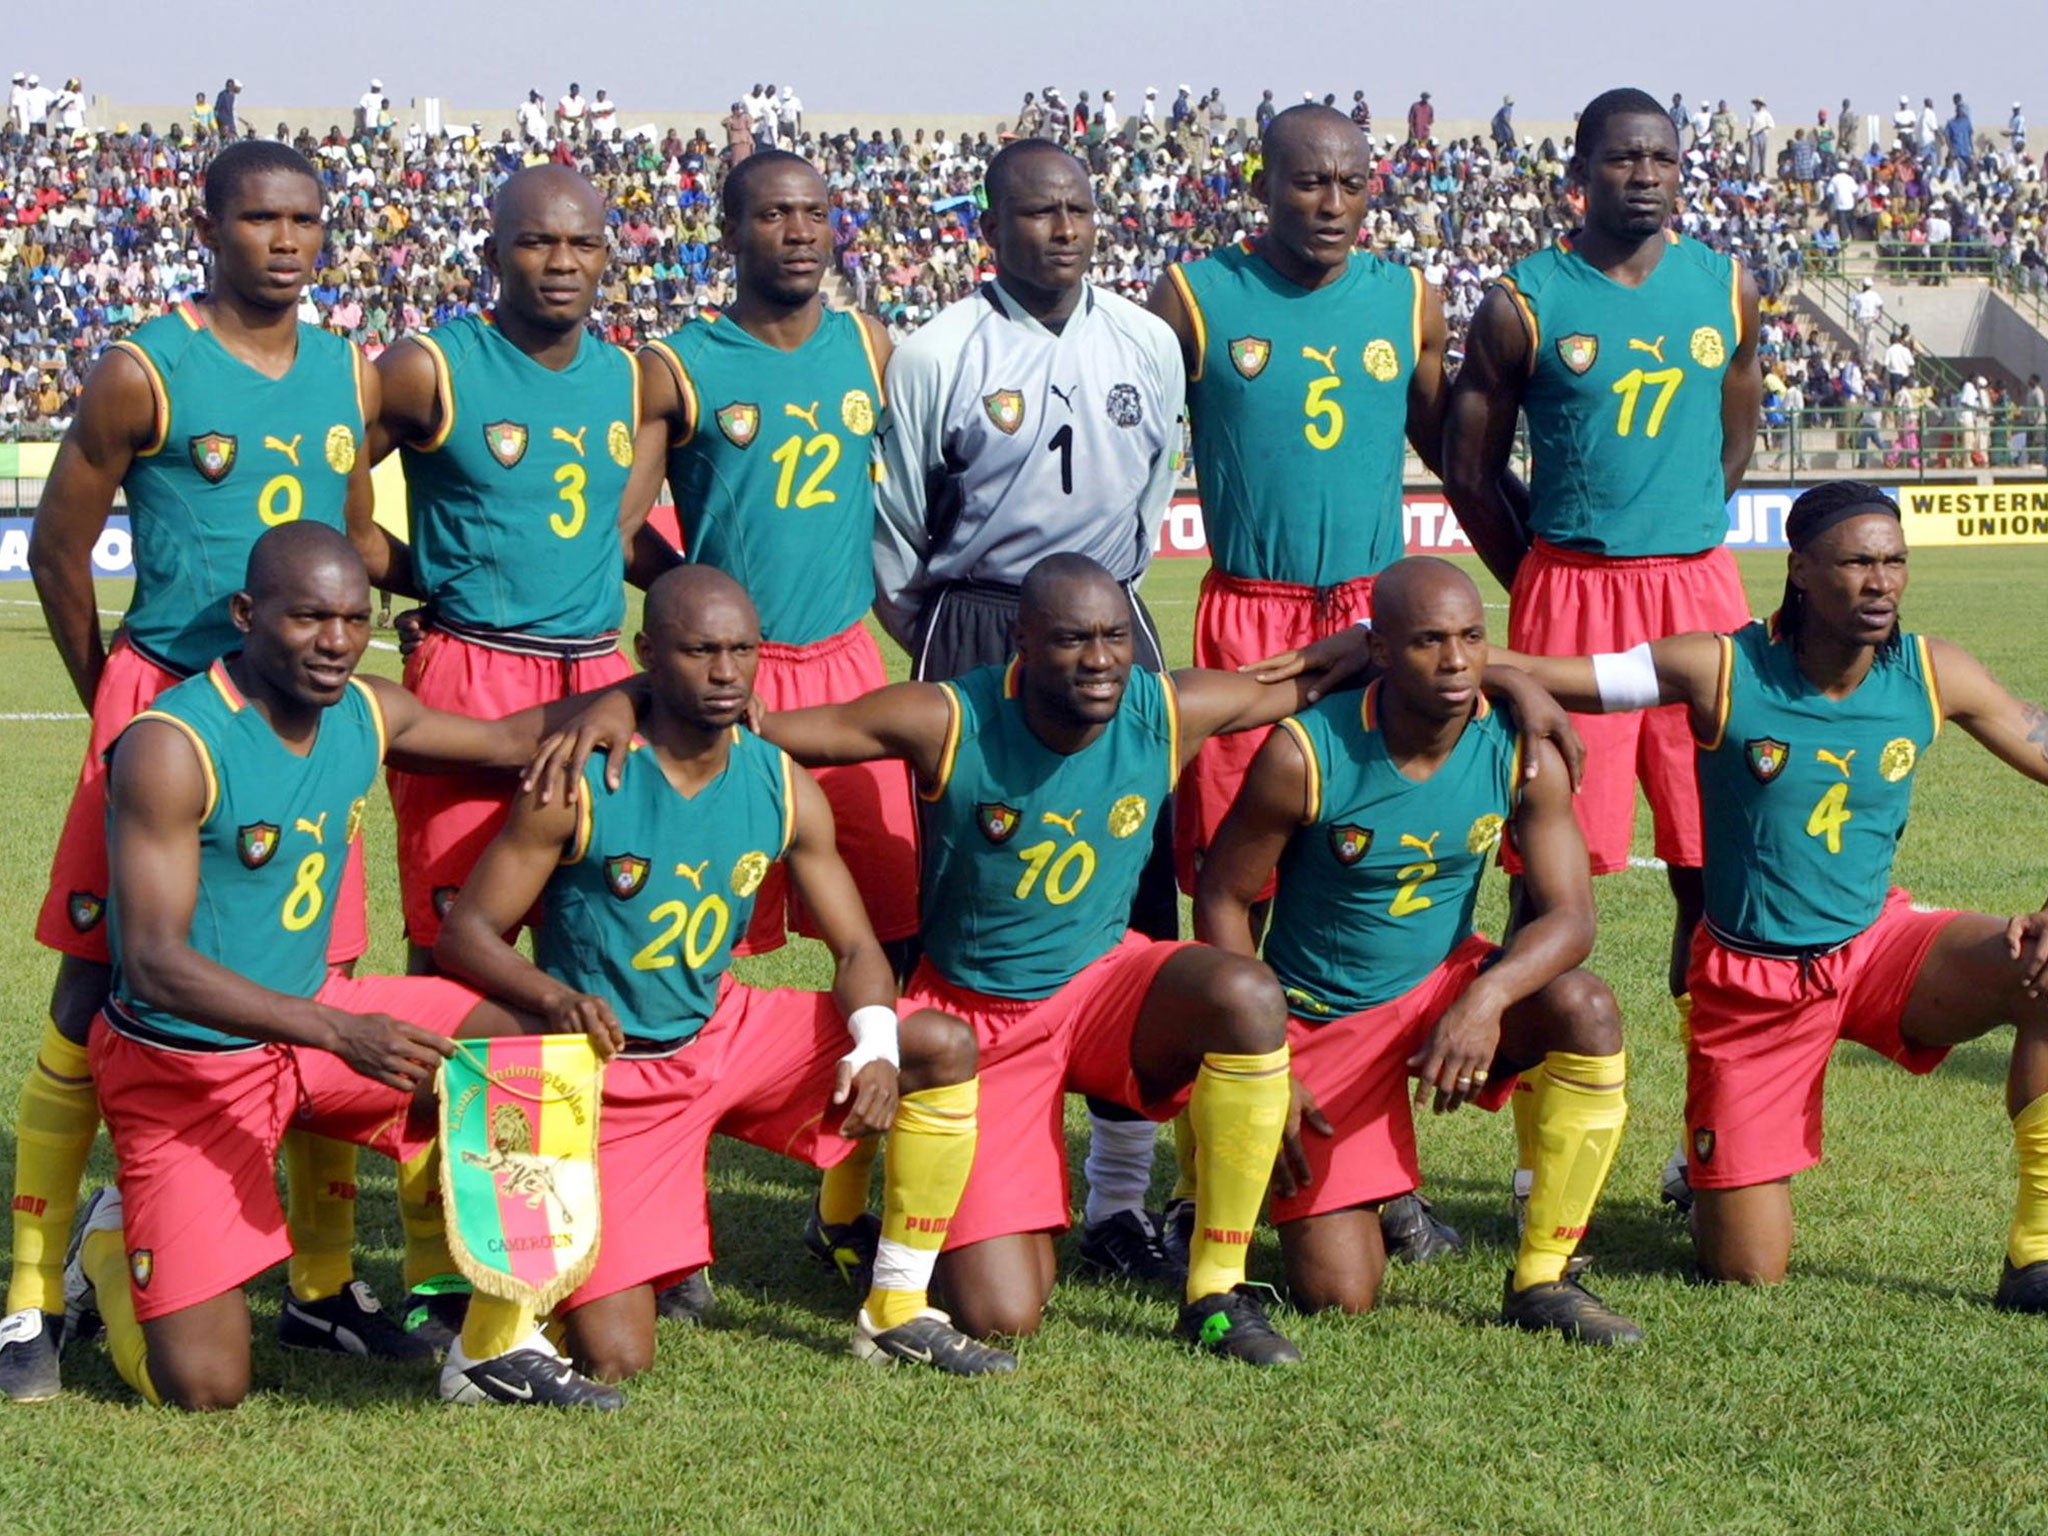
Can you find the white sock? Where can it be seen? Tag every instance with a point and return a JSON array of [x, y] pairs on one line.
[[1119, 1166]]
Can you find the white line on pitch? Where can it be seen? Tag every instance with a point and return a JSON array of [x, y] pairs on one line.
[[41, 714], [1636, 863]]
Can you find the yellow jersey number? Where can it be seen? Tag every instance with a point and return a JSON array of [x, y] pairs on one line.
[[1630, 387], [701, 929], [790, 456], [280, 500], [1830, 814], [572, 479], [1066, 876], [302, 903], [1324, 428]]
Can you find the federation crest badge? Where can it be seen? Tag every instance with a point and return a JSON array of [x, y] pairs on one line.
[[739, 421], [748, 873], [1577, 351], [340, 449], [85, 909], [1126, 407], [1703, 1144], [1006, 409], [1348, 843], [141, 1265], [444, 898], [857, 412], [1708, 350], [1127, 815], [618, 442], [1484, 834], [998, 822], [1767, 758], [1250, 354], [506, 440], [1897, 759], [256, 843], [625, 874], [213, 455], [1382, 362]]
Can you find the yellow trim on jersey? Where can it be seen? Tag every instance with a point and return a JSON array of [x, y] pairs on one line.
[[579, 841], [359, 363], [444, 394], [1933, 682], [1515, 774], [160, 395], [788, 803], [950, 750], [1735, 296], [1415, 275], [1011, 670], [1194, 309], [1483, 707], [1528, 313], [224, 685], [1312, 799], [376, 714], [1172, 696], [1365, 704], [1724, 683], [867, 345], [190, 315], [667, 354], [205, 757], [633, 372]]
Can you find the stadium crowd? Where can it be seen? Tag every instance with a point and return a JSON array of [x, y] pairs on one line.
[[96, 231]]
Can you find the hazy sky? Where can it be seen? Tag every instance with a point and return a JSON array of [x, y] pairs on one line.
[[858, 57]]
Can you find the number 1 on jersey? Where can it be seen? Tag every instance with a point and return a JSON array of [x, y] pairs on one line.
[[1062, 443]]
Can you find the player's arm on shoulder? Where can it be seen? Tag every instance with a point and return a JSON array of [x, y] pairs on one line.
[[117, 419], [1214, 703], [1428, 391], [1679, 669], [911, 721], [1557, 877], [1742, 394], [1270, 806], [409, 399], [2011, 729], [1479, 433], [420, 739]]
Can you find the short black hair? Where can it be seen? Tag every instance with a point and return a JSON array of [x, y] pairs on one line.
[[1624, 101], [1814, 512], [732, 197], [995, 180], [227, 171]]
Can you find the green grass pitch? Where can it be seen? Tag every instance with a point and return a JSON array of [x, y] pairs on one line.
[[1875, 1391]]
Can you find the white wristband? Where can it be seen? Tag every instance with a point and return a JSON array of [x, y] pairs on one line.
[[874, 1036], [1364, 624], [1626, 679]]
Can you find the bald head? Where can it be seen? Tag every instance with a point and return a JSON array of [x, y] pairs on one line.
[[294, 555], [1059, 584], [1033, 158], [690, 595], [1418, 590], [1310, 134], [539, 196]]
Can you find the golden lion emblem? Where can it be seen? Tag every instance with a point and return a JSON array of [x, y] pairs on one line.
[[857, 411], [748, 873], [618, 441], [1708, 350], [1484, 834], [341, 449], [1897, 759], [1381, 360], [1127, 815]]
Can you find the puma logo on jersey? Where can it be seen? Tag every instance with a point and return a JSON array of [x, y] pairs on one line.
[[1425, 847], [1066, 395], [1065, 823], [316, 829], [573, 439], [1327, 358], [289, 449], [1654, 348], [694, 873], [1822, 755], [807, 415]]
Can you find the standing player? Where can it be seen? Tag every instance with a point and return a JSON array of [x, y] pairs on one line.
[[1308, 360], [1632, 351], [1810, 730], [1039, 416], [1381, 815], [645, 887], [224, 1023], [216, 421]]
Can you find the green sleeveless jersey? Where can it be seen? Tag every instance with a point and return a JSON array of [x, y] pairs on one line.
[[775, 485], [1032, 856], [1378, 886], [1624, 399], [657, 888], [1299, 403], [1804, 798], [515, 500], [272, 844], [235, 453]]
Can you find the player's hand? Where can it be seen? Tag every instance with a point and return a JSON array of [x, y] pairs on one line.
[[1291, 1173], [1455, 1060], [2026, 940], [1541, 718], [579, 1013], [873, 1092], [411, 627], [1344, 659], [387, 1050], [607, 726]]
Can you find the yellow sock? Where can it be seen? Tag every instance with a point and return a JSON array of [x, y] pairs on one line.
[[1580, 1109], [320, 1214], [492, 1326], [843, 1193], [419, 1211], [1523, 1107], [1183, 1157], [53, 1131], [931, 1152], [104, 1258], [2027, 1243], [1237, 1110]]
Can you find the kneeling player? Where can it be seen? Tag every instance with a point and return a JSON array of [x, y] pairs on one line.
[[233, 800], [645, 888], [1381, 815]]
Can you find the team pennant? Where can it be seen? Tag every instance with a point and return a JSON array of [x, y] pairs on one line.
[[519, 1164]]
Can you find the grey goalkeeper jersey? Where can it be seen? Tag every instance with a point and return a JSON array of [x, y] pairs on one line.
[[1007, 443]]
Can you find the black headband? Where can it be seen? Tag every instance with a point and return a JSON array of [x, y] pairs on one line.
[[1812, 528]]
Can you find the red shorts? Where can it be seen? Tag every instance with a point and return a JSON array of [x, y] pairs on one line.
[[73, 918], [1032, 1053], [1236, 621], [196, 1135], [1357, 1068], [760, 1071], [446, 820], [1762, 1031], [1569, 604], [873, 814]]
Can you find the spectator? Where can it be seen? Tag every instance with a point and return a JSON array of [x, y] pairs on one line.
[[2016, 130], [1844, 191], [17, 103], [68, 109], [1361, 113], [1866, 309], [224, 111], [369, 107], [1848, 131], [1760, 125], [739, 134], [604, 116], [1961, 136], [203, 126], [1421, 120], [790, 116], [570, 111], [533, 120], [1503, 127], [1906, 126]]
